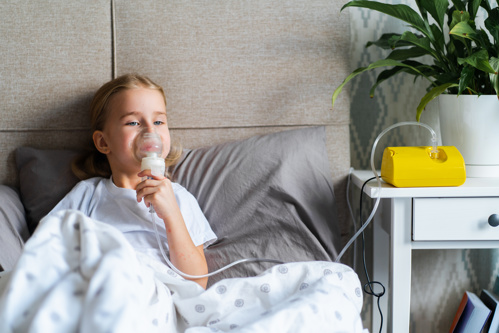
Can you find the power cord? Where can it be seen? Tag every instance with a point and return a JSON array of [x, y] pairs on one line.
[[370, 284], [368, 287]]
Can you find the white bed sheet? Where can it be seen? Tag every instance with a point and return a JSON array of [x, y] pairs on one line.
[[81, 275]]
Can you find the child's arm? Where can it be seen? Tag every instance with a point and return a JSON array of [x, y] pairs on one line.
[[184, 255]]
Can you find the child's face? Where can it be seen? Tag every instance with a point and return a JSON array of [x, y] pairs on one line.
[[130, 112]]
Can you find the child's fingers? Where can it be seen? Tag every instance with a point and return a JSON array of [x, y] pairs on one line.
[[145, 191], [150, 183], [148, 173], [152, 189]]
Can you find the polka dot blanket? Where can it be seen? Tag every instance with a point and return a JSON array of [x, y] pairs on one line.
[[80, 275]]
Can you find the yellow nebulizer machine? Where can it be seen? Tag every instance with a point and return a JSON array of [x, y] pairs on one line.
[[423, 166], [428, 166]]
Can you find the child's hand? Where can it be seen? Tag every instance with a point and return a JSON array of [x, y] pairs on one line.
[[157, 191], [184, 255]]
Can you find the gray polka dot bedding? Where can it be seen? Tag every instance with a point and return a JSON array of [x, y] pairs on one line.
[[79, 275]]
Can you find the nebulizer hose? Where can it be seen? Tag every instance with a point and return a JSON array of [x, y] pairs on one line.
[[148, 149], [176, 270], [433, 154]]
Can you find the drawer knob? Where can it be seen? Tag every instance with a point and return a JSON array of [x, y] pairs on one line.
[[494, 220]]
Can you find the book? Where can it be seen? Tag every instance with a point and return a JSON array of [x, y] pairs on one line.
[[471, 315], [492, 302]]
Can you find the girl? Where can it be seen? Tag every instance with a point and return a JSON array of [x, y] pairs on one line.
[[112, 189]]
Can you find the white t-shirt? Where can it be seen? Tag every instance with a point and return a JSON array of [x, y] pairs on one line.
[[100, 199]]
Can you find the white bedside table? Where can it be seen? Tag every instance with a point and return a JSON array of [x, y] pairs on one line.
[[424, 218]]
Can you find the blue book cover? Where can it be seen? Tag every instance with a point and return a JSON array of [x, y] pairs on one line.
[[491, 301]]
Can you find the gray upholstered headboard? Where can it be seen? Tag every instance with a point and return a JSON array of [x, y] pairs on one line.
[[230, 69]]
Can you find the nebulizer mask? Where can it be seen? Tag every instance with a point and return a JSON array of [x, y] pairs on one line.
[[149, 149]]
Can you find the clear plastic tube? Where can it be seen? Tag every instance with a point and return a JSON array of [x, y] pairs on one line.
[[148, 148], [354, 222], [179, 272], [434, 154]]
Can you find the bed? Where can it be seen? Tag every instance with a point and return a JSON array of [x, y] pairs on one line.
[[249, 86]]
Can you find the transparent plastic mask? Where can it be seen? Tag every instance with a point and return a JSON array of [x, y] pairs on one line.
[[148, 144], [148, 150]]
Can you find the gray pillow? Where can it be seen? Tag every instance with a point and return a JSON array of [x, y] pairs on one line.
[[13, 227], [268, 196], [45, 177]]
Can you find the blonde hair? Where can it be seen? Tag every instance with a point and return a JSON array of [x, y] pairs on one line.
[[92, 163]]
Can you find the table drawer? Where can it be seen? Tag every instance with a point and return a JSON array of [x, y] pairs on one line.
[[442, 219]]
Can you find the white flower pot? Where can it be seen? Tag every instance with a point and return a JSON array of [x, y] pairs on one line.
[[471, 124]]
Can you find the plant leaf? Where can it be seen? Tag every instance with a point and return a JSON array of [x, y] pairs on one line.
[[439, 39], [492, 24], [478, 60], [422, 10], [463, 29], [459, 16], [486, 5], [404, 54], [459, 5], [473, 8], [433, 93], [414, 68], [422, 42], [388, 41], [437, 9], [466, 78], [383, 76], [446, 78], [484, 39], [494, 78], [401, 12], [376, 64]]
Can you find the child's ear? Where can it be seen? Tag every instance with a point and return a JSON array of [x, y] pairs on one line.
[[100, 142]]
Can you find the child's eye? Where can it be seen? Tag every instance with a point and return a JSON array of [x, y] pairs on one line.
[[159, 122], [132, 123]]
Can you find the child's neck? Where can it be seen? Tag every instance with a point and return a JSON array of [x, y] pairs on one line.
[[125, 181]]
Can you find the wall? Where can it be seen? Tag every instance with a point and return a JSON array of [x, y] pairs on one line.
[[439, 277]]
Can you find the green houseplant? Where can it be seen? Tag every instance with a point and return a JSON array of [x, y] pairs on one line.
[[463, 58]]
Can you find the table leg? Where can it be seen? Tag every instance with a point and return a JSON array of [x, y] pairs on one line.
[[400, 265], [381, 265]]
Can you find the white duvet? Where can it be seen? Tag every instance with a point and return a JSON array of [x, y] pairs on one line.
[[80, 275]]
